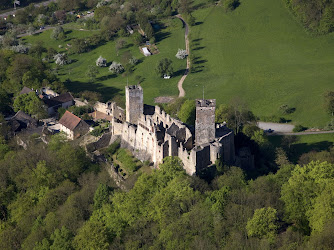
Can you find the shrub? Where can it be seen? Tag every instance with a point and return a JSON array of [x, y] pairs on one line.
[[61, 59], [20, 49], [101, 62], [133, 60], [181, 54], [298, 128], [285, 109], [97, 131], [127, 160], [230, 5], [58, 33], [116, 68]]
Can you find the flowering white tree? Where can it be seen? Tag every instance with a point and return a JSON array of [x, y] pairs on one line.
[[181, 54], [133, 60], [20, 49], [61, 59], [101, 62], [116, 68]]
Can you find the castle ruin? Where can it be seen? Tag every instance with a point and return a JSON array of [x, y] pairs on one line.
[[156, 135]]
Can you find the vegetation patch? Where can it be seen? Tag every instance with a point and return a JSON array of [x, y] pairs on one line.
[[259, 53]]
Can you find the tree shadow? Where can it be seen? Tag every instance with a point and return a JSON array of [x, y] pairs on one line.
[[198, 23], [179, 72], [107, 93], [296, 150], [198, 6], [161, 36], [107, 77], [198, 40], [199, 48], [68, 32]]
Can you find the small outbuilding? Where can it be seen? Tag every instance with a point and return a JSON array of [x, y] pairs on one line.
[[146, 51]]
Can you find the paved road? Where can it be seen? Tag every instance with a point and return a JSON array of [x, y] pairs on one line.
[[13, 11], [286, 129], [182, 93], [304, 133], [276, 127]]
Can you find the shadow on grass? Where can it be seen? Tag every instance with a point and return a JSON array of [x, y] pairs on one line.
[[107, 93], [198, 6], [68, 32], [107, 77], [198, 23], [296, 150], [198, 40], [179, 72], [199, 48], [161, 36]]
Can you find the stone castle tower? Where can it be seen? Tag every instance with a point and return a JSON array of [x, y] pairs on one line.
[[205, 130], [134, 103]]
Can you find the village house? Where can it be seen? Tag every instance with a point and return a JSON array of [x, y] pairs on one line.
[[64, 100], [73, 126]]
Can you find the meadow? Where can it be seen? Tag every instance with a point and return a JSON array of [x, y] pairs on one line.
[[168, 39], [258, 53], [305, 143], [261, 54]]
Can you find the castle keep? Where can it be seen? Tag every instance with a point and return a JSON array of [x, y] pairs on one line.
[[153, 133]]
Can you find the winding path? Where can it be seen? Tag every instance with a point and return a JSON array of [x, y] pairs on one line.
[[182, 93]]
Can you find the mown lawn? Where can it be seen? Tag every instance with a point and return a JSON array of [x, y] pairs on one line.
[[169, 39], [305, 144], [262, 55]]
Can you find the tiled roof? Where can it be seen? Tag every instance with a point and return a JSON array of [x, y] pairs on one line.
[[63, 98], [25, 90], [58, 100], [69, 120]]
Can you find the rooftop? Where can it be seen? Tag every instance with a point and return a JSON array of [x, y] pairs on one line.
[[69, 120], [205, 102]]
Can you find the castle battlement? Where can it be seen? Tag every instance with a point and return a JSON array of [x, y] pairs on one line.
[[153, 132]]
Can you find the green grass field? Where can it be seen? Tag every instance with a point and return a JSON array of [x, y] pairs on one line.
[[261, 54], [169, 39], [306, 143]]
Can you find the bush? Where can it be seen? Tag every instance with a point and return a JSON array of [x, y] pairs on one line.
[[116, 68], [127, 160], [181, 54], [299, 128], [101, 62], [58, 33], [61, 59], [97, 131], [230, 5]]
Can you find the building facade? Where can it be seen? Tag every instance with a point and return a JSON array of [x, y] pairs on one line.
[[154, 133]]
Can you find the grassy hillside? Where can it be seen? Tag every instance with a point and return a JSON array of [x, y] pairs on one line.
[[260, 53], [169, 39]]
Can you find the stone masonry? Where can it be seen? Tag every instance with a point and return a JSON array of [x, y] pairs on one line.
[[134, 103], [205, 130], [151, 132]]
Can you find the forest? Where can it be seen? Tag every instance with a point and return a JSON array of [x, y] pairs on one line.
[[54, 197], [316, 15]]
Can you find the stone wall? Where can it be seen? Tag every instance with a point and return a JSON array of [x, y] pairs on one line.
[[205, 130], [134, 103]]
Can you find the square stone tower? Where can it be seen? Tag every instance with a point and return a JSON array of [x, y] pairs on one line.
[[205, 130], [134, 103]]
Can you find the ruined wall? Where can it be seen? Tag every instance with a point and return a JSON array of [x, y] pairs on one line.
[[189, 160], [205, 130], [134, 103], [227, 149]]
